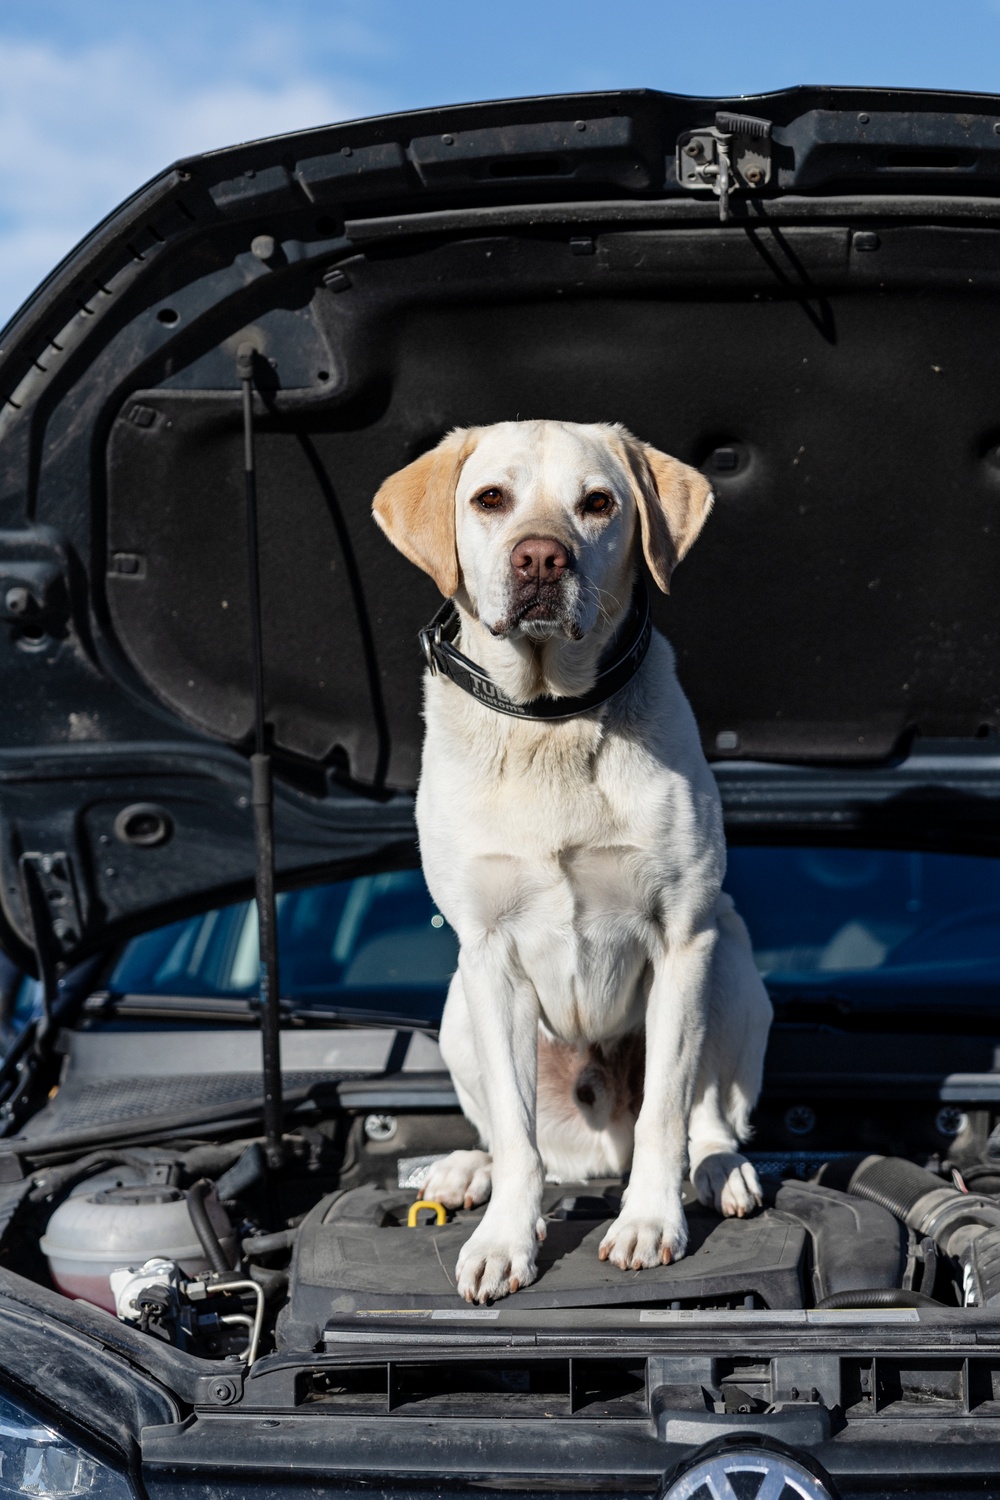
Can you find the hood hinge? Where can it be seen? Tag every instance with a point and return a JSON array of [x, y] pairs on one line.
[[733, 155]]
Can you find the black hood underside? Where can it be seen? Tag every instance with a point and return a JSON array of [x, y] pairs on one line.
[[827, 355]]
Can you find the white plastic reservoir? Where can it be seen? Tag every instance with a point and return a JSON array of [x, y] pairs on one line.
[[100, 1228]]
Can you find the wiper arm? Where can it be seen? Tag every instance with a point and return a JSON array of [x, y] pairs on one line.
[[172, 1007], [342, 1015], [246, 1009]]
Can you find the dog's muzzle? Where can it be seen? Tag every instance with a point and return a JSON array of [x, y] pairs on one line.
[[540, 565]]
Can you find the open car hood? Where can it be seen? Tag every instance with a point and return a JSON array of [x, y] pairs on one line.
[[824, 345]]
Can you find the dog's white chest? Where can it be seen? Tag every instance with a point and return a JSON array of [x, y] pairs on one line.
[[574, 850], [565, 868], [586, 943]]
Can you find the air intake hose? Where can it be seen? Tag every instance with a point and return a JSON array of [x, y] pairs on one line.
[[965, 1226], [879, 1296]]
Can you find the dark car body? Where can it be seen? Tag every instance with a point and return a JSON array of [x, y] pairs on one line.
[[798, 293]]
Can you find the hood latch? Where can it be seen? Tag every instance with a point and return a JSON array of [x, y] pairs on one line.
[[733, 155]]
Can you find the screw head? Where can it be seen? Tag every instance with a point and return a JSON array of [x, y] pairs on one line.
[[864, 119], [950, 1120], [581, 124], [380, 1127], [17, 601], [800, 1119], [447, 140], [263, 246], [224, 1391]]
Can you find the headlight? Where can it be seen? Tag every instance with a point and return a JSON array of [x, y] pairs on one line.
[[37, 1460]]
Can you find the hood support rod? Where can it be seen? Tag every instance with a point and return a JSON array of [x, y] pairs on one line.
[[262, 796]]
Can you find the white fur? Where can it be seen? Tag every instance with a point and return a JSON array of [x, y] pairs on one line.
[[580, 863]]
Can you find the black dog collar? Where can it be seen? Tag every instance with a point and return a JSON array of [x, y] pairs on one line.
[[626, 653]]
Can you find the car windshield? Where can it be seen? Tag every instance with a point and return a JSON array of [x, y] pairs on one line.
[[857, 919]]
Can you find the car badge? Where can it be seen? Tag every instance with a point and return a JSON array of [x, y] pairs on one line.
[[713, 1478]]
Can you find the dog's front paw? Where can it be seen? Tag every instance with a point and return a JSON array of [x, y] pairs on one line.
[[728, 1183], [636, 1240], [493, 1264], [461, 1180]]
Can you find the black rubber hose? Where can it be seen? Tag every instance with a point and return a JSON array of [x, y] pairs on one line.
[[204, 1228], [269, 1244], [894, 1183], [56, 1179], [882, 1296]]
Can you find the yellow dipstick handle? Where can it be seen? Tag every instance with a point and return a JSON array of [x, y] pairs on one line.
[[439, 1209]]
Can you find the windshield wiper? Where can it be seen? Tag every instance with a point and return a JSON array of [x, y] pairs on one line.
[[245, 1010]]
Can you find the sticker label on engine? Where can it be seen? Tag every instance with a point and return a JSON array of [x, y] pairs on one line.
[[825, 1315], [481, 1314]]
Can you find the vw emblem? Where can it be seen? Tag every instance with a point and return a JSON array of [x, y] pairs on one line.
[[713, 1478]]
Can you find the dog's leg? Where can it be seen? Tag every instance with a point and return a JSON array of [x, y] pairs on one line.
[[463, 1178], [500, 1255], [722, 1177], [731, 1072], [651, 1226]]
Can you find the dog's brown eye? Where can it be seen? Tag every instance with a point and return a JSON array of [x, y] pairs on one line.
[[489, 499], [598, 503]]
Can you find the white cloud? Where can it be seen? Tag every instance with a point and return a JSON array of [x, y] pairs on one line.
[[81, 130]]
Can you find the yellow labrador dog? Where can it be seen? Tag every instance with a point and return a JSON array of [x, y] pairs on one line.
[[606, 1013]]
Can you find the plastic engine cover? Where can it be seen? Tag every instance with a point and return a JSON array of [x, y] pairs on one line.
[[354, 1254]]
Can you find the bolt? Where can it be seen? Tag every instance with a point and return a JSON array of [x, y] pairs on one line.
[[448, 140], [346, 151], [800, 1119], [794, 1393], [17, 600], [755, 176], [262, 245], [380, 1127], [224, 1391], [864, 119], [581, 124], [693, 148], [950, 1120]]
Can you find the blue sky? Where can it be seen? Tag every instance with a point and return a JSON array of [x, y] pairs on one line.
[[98, 95]]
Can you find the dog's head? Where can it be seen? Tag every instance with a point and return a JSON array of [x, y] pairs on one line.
[[535, 525]]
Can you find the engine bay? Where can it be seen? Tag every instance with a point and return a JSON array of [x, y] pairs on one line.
[[190, 1238]]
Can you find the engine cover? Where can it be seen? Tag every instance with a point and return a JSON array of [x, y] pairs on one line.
[[355, 1254]]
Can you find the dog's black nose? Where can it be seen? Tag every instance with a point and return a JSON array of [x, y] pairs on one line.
[[541, 558]]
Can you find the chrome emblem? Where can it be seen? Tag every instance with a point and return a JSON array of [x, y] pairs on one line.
[[777, 1474]]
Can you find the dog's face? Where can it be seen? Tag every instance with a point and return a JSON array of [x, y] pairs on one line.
[[538, 522], [545, 520]]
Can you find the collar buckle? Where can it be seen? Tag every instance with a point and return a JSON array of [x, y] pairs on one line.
[[430, 637]]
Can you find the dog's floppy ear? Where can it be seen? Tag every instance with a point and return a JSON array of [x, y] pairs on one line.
[[674, 501], [415, 507]]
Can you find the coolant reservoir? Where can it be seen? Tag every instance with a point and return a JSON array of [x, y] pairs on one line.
[[95, 1232]]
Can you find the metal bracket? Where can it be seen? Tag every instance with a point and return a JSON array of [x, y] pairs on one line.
[[54, 918], [733, 155], [52, 901], [33, 576]]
